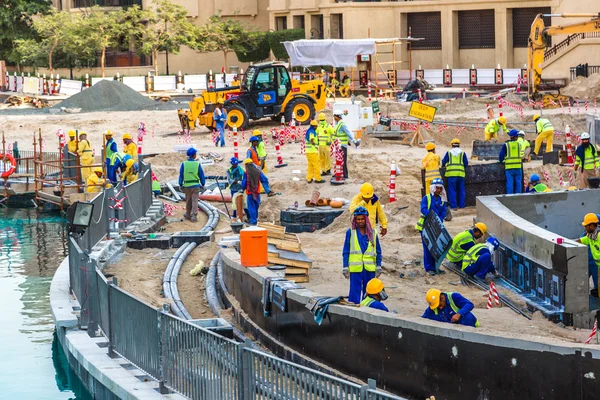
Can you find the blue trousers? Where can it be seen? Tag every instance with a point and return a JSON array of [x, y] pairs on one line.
[[514, 181], [592, 269], [456, 192], [221, 129], [358, 285], [253, 208], [111, 172], [480, 270], [428, 260]]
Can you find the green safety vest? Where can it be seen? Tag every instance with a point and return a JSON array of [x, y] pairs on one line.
[[594, 248], [456, 253], [454, 307], [109, 152], [540, 188], [543, 125], [339, 134], [524, 144], [513, 155], [367, 301], [190, 173], [324, 133], [419, 225], [119, 155], [456, 166], [156, 186], [357, 259], [471, 255], [590, 158], [308, 146], [261, 151]]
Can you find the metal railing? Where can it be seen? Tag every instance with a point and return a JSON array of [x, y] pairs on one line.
[[138, 193], [584, 70], [560, 47], [100, 221]]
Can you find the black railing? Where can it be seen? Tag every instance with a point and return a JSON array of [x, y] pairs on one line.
[[106, 3], [584, 70], [560, 47]]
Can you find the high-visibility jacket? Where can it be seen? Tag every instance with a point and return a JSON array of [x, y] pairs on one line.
[[471, 255], [357, 259], [594, 246], [419, 225], [85, 149], [368, 301], [466, 319], [72, 146], [524, 145], [541, 188], [456, 252], [95, 183], [340, 133], [590, 158], [493, 127], [543, 125], [309, 147], [324, 133], [513, 155], [456, 165], [252, 153], [109, 150], [431, 165], [261, 151], [131, 149], [120, 157], [190, 173], [156, 186], [375, 209]]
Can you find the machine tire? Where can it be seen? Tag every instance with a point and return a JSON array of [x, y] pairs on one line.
[[302, 108], [234, 113]]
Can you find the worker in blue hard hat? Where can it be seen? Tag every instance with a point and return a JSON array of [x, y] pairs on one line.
[[376, 295], [191, 180], [510, 155], [536, 186], [450, 307], [434, 201], [478, 259], [235, 175], [252, 152], [361, 255]]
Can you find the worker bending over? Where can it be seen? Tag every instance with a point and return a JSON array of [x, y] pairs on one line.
[[324, 133], [129, 147], [110, 147], [95, 182], [344, 137], [525, 147], [431, 164], [311, 144], [261, 150], [456, 163], [191, 179], [361, 255], [449, 307], [513, 165], [545, 131], [586, 161], [592, 240], [253, 183], [235, 175], [493, 127], [220, 118], [369, 200], [86, 156], [117, 165], [435, 201], [464, 241], [376, 295], [478, 260], [130, 174], [535, 186]]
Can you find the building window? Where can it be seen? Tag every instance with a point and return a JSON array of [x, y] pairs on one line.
[[522, 18], [316, 22], [298, 21], [105, 3], [476, 29], [336, 26], [280, 23], [426, 25]]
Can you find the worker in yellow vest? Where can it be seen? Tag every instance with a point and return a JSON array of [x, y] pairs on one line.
[[345, 87], [261, 150], [586, 161], [129, 146], [463, 241], [431, 164], [513, 165], [95, 182], [72, 144], [324, 133], [86, 156], [312, 154], [493, 127], [456, 164], [525, 147], [545, 131]]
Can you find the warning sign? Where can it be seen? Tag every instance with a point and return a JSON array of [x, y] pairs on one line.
[[422, 111]]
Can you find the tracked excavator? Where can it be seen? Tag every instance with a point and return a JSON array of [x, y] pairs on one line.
[[538, 44], [265, 90]]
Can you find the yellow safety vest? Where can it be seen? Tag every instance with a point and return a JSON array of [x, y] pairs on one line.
[[324, 131], [590, 158], [471, 255], [366, 302], [456, 253], [454, 307], [456, 165], [308, 146], [419, 225], [357, 259], [340, 135], [543, 125], [513, 155], [524, 144]]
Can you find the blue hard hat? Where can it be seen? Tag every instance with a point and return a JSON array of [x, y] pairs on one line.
[[191, 152], [234, 161], [253, 138], [513, 132], [494, 242], [361, 211], [437, 181], [534, 178]]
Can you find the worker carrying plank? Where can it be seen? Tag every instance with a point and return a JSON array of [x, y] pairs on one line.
[[434, 201]]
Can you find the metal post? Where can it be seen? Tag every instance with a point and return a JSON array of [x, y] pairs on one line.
[[364, 390], [244, 371], [93, 299], [111, 340], [162, 340]]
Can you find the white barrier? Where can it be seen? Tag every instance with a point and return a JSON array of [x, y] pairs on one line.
[[19, 84], [194, 82], [511, 75], [96, 80], [70, 87], [460, 77], [137, 83], [32, 86], [434, 76], [486, 76], [219, 80], [163, 83]]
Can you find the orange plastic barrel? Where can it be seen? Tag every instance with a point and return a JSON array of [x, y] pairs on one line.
[[254, 248]]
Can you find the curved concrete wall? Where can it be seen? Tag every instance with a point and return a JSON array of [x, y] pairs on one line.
[[418, 358]]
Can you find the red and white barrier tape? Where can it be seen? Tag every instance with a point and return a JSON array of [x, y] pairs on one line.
[[594, 331]]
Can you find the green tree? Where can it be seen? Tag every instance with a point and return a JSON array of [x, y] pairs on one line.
[[276, 38], [258, 52]]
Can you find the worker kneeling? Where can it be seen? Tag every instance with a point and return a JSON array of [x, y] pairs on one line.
[[449, 307], [95, 181], [478, 260], [130, 174], [375, 295], [464, 241]]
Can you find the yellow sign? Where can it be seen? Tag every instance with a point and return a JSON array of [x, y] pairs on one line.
[[422, 111]]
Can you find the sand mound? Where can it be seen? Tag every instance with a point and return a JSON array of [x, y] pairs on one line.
[[582, 88], [107, 96]]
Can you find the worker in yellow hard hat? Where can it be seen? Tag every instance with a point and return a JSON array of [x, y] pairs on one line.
[[261, 150], [324, 133], [129, 146], [431, 164], [493, 127], [456, 163], [72, 144], [586, 161], [254, 183], [95, 182], [86, 156], [369, 200], [592, 240], [110, 147], [376, 295], [434, 201], [450, 307], [463, 241], [220, 118], [311, 144], [130, 174], [545, 131]]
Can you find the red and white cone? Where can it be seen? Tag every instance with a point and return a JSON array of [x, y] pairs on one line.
[[500, 106], [280, 162], [338, 176], [236, 153], [392, 190], [569, 146], [493, 294], [369, 91]]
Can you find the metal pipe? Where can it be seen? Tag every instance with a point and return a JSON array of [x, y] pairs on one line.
[[211, 291]]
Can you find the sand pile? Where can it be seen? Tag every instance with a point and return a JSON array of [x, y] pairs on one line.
[[107, 96], [582, 88]]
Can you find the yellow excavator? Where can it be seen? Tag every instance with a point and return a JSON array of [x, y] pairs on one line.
[[265, 90], [538, 43]]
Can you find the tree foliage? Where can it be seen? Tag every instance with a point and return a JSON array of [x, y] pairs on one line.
[[276, 38], [259, 52]]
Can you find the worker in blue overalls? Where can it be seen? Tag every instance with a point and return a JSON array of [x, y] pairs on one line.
[[436, 201], [478, 259], [376, 295], [449, 307]]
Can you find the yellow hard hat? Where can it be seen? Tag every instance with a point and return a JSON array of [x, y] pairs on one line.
[[571, 188], [366, 190], [129, 163], [248, 161], [257, 132], [322, 117], [108, 133], [314, 122], [82, 133], [536, 116], [374, 286], [98, 169], [220, 101], [590, 218], [126, 136], [72, 133], [502, 120], [455, 141], [433, 298], [429, 146], [481, 226]]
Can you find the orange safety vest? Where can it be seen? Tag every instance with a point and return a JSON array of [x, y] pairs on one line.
[[254, 157]]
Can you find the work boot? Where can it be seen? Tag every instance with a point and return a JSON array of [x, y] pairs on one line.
[[326, 173], [307, 181], [431, 273], [185, 216], [441, 272], [320, 181], [194, 219]]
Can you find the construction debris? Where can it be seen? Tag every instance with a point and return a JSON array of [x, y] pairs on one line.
[[285, 250], [18, 101]]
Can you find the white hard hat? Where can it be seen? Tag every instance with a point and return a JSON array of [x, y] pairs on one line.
[[585, 135]]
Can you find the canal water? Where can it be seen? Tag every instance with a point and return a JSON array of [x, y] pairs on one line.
[[32, 363]]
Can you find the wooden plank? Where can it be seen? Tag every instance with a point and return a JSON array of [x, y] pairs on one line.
[[290, 263], [285, 244], [296, 271], [271, 227], [297, 278]]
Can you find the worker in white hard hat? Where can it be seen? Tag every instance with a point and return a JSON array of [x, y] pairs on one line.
[[431, 164], [545, 131], [586, 161], [434, 201], [525, 147], [369, 200], [344, 136]]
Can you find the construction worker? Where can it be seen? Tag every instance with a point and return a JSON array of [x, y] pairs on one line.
[[252, 152], [156, 189], [345, 86], [261, 151], [220, 118], [493, 127], [525, 147], [344, 136], [513, 165], [463, 241], [434, 201], [110, 147], [369, 200], [361, 255], [117, 165], [535, 186], [95, 182], [449, 307], [253, 182], [86, 156], [235, 82], [72, 144], [478, 260], [376, 295], [456, 163], [191, 180], [311, 144], [235, 174], [324, 133], [545, 131], [129, 147], [586, 161], [431, 164], [334, 84], [130, 174], [592, 240]]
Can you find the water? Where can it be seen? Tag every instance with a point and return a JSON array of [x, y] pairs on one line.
[[32, 364]]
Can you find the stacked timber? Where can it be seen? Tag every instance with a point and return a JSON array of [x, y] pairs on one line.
[[285, 250]]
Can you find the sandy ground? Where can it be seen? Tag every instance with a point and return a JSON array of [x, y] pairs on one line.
[[402, 247]]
